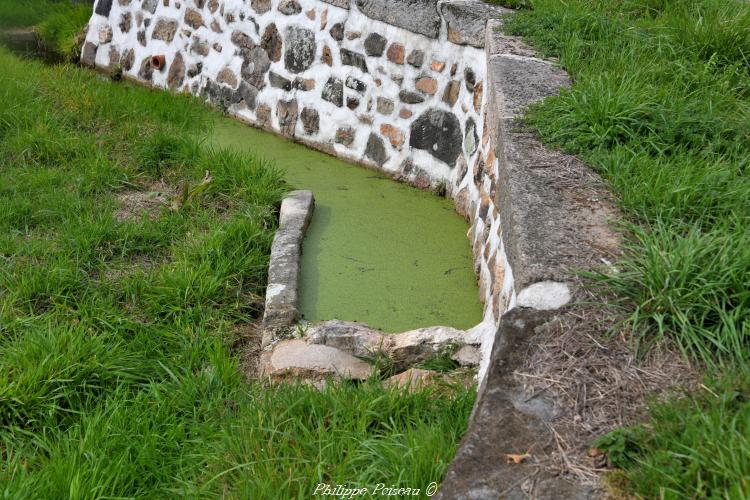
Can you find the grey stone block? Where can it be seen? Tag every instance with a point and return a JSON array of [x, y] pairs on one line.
[[417, 16], [500, 424], [466, 20], [344, 4]]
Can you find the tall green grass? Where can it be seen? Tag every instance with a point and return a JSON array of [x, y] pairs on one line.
[[511, 4], [694, 447], [661, 108], [61, 29], [24, 13], [59, 24], [118, 376]]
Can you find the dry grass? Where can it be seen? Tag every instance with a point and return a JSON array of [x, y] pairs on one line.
[[595, 381], [149, 201]]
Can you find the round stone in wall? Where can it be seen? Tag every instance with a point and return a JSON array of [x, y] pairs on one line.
[[310, 120], [150, 5], [333, 91], [146, 71], [255, 65], [337, 31], [300, 47], [375, 45], [375, 150], [164, 30], [126, 22], [176, 74], [260, 6], [439, 133], [193, 18], [127, 60], [289, 7], [271, 42], [103, 7], [88, 56]]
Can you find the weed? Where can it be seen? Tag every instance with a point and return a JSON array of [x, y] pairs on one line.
[[382, 363], [442, 361], [512, 4], [62, 29], [693, 447]]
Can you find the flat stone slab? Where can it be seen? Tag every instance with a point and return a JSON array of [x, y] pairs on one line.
[[555, 209], [414, 379], [405, 349], [524, 80], [297, 358]]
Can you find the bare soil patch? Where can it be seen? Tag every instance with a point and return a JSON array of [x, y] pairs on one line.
[[150, 200]]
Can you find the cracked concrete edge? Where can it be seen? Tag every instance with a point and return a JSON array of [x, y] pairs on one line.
[[282, 292], [555, 216], [505, 421]]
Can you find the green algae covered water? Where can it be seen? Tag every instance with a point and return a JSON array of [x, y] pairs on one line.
[[377, 251]]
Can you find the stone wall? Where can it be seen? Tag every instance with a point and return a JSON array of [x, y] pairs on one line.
[[395, 85]]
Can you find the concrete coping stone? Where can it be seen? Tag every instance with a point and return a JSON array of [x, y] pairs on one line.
[[555, 210], [555, 216]]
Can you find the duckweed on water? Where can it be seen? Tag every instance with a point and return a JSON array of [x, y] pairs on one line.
[[377, 251]]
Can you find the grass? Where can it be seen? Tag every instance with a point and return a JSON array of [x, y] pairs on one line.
[[59, 24], [694, 447], [660, 108], [61, 30], [511, 4], [118, 373], [442, 361], [24, 13]]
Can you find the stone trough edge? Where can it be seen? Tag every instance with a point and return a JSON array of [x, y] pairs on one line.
[[282, 293]]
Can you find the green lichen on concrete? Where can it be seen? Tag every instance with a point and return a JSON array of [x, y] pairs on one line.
[[377, 251]]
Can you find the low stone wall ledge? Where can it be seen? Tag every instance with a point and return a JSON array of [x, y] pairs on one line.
[[554, 214]]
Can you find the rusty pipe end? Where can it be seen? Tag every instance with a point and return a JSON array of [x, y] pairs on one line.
[[158, 62]]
